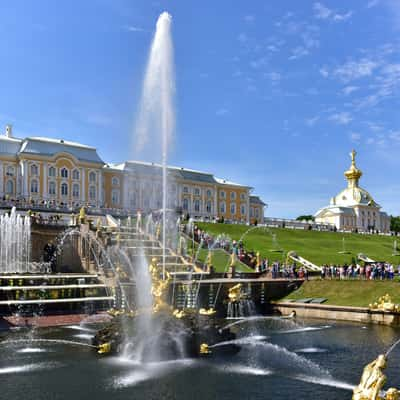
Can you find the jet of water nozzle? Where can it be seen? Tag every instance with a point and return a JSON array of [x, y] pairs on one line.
[[156, 111]]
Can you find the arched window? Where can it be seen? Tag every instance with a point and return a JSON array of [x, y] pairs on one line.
[[64, 189], [92, 192], [197, 192], [222, 207], [208, 193], [233, 208], [233, 195], [10, 187], [10, 171], [92, 177], [222, 194], [34, 186], [185, 204], [34, 170], [185, 189], [75, 174], [197, 205], [115, 181], [52, 188], [115, 196], [52, 172], [243, 209], [64, 173], [75, 190], [209, 207]]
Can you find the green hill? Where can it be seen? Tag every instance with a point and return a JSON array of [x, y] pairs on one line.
[[317, 247]]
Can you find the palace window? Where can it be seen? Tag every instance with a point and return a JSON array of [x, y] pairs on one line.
[[233, 208], [185, 189], [115, 196], [64, 173], [34, 186], [242, 196], [115, 181], [233, 195], [52, 188], [251, 212], [197, 192], [10, 187], [209, 206], [185, 204], [197, 205], [10, 171], [34, 170], [256, 212], [52, 172], [92, 177], [92, 192], [222, 207], [209, 194], [75, 190], [75, 174], [243, 209], [64, 189]]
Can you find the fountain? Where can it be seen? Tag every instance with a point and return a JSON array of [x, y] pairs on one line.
[[15, 243]]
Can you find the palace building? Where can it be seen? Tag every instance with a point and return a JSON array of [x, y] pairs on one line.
[[354, 208], [44, 170]]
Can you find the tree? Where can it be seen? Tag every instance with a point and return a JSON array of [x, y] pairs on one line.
[[305, 218], [394, 224]]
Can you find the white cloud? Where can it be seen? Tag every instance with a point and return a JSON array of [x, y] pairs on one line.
[[355, 137], [352, 70], [260, 62], [131, 28], [312, 121], [324, 72], [342, 118], [349, 89], [222, 111], [275, 77], [323, 12], [298, 52], [249, 18]]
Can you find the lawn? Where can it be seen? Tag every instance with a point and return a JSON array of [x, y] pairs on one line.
[[221, 260], [347, 293], [317, 247]]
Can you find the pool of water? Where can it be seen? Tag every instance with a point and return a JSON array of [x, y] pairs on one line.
[[306, 359]]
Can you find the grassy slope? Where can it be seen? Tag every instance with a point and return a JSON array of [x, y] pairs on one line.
[[221, 261], [348, 293], [318, 247]]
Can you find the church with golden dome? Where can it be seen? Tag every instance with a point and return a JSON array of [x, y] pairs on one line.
[[354, 208]]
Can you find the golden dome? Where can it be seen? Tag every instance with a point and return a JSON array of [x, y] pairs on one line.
[[353, 173]]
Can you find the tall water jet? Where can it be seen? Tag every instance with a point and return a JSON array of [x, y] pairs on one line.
[[156, 112], [15, 243]]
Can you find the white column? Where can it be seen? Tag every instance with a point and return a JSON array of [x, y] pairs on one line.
[[83, 172], [100, 184], [248, 209], [1, 179], [44, 189], [215, 201], [25, 180], [125, 191]]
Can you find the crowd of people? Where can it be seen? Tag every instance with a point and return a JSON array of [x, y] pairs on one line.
[[369, 271]]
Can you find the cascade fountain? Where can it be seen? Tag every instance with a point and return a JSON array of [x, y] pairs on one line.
[[15, 243]]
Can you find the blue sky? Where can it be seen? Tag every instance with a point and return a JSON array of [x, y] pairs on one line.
[[270, 94]]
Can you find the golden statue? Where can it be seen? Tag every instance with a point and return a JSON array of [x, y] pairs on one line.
[[233, 259], [82, 215], [179, 314], [98, 224], [104, 348], [392, 394], [258, 263], [204, 349], [385, 303], [204, 311], [209, 260], [372, 381], [235, 293], [159, 286]]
